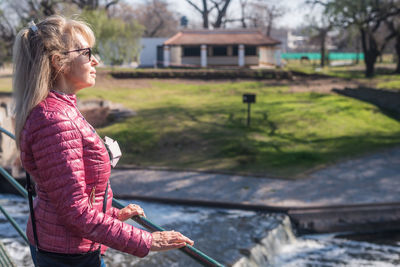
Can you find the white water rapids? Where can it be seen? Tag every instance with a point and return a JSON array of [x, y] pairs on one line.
[[235, 238]]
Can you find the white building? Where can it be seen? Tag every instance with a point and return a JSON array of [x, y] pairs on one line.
[[221, 47], [151, 52]]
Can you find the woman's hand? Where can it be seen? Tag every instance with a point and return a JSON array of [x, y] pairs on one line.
[[130, 211], [167, 240]]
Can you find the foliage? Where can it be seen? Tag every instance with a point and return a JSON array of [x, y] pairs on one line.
[[368, 16], [117, 41], [15, 15]]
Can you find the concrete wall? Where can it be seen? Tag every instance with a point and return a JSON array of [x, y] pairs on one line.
[[176, 55], [267, 55], [148, 54], [191, 61], [222, 61], [251, 60]]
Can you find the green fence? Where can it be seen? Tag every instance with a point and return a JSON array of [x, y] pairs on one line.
[[317, 56]]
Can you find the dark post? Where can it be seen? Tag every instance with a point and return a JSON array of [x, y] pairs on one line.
[[248, 114], [249, 98]]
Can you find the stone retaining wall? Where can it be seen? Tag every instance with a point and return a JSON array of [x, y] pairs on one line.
[[388, 100]]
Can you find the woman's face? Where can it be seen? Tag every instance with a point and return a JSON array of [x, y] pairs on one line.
[[81, 72]]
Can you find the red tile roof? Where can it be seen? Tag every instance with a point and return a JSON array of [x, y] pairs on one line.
[[221, 37]]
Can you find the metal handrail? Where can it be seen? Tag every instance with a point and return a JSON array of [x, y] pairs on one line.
[[192, 252], [5, 260], [14, 224], [188, 250]]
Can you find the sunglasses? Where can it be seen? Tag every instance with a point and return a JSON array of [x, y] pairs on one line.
[[87, 52]]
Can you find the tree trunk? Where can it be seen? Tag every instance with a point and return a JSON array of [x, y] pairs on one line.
[[323, 37], [397, 48], [371, 52], [370, 65], [269, 27], [205, 15], [357, 51], [243, 14], [221, 14]]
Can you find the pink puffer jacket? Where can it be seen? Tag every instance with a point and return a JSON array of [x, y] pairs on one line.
[[68, 161]]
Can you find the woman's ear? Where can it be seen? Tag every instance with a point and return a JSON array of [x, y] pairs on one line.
[[57, 64]]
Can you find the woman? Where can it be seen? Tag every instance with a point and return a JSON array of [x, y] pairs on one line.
[[52, 61]]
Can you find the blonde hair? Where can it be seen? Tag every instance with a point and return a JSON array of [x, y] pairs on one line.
[[34, 48]]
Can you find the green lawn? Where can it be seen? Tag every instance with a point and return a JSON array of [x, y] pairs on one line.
[[203, 126], [5, 84]]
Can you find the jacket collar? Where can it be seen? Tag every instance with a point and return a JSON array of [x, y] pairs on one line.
[[69, 98]]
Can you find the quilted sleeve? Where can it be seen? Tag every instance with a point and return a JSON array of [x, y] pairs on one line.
[[114, 212], [57, 150]]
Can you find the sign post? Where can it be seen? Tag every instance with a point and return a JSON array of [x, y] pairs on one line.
[[249, 98]]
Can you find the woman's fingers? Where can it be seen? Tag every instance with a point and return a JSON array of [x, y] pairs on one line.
[[179, 238], [130, 211], [136, 210], [169, 240]]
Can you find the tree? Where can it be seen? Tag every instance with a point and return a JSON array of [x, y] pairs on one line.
[[16, 14], [368, 16], [263, 15], [93, 4], [155, 15], [393, 24], [117, 40], [258, 14], [207, 6], [319, 29], [7, 34]]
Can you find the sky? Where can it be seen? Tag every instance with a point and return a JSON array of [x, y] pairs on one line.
[[296, 10]]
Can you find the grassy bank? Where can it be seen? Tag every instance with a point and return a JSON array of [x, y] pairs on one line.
[[384, 73], [202, 126], [5, 84]]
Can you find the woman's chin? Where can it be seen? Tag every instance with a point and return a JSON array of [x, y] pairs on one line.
[[91, 83]]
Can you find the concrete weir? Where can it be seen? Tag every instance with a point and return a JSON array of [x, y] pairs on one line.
[[262, 252], [360, 218]]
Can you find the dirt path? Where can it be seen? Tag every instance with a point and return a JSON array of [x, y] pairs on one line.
[[321, 85]]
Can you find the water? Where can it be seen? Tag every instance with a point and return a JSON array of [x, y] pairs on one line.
[[235, 238]]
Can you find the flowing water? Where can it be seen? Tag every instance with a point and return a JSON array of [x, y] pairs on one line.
[[235, 238]]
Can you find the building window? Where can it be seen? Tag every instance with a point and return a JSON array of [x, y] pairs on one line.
[[220, 51], [250, 50], [235, 50], [191, 51]]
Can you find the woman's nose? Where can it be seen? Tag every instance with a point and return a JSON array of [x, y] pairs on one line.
[[95, 60]]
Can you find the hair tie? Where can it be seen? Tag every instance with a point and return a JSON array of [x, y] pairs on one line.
[[32, 26]]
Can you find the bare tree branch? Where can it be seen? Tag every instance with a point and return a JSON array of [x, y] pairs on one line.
[[195, 6], [108, 5]]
